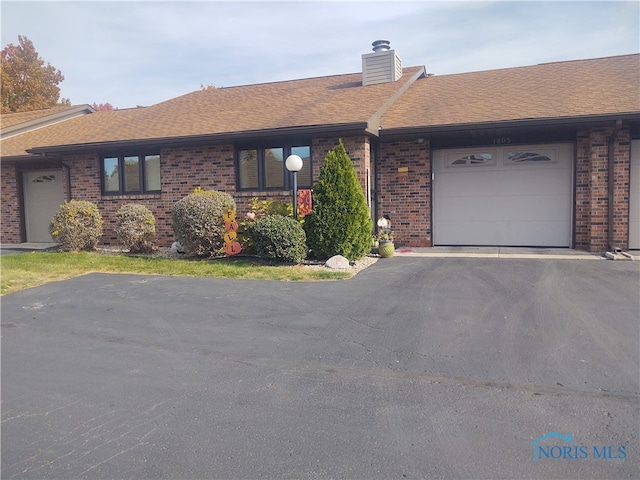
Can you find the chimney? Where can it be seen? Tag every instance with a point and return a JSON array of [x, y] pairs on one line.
[[381, 66]]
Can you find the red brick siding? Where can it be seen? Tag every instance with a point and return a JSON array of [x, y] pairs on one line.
[[181, 170], [11, 231], [621, 176], [358, 149], [409, 195], [592, 195]]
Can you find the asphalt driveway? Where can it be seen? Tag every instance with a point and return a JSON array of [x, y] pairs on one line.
[[416, 368]]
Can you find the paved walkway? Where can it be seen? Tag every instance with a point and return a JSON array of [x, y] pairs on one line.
[[434, 252], [503, 252]]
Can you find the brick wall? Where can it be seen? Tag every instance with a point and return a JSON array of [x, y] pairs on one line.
[[406, 192], [622, 178], [592, 194], [10, 205], [182, 170], [403, 176]]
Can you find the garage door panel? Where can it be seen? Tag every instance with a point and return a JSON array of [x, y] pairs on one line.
[[465, 209], [481, 182], [502, 233], [503, 202], [538, 208], [540, 182]]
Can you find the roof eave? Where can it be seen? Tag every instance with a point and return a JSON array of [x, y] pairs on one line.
[[217, 138], [46, 121], [537, 122]]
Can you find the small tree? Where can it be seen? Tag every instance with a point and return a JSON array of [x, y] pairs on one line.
[[339, 223]]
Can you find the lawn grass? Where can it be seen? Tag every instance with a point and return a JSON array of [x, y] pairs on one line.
[[27, 270]]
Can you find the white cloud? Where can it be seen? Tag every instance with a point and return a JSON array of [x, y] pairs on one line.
[[130, 53]]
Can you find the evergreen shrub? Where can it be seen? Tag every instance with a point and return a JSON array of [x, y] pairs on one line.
[[339, 223], [77, 226], [136, 228], [198, 222], [278, 238]]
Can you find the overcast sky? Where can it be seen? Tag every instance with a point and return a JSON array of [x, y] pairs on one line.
[[141, 53]]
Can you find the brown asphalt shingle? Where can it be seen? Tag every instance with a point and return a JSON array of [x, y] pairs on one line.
[[334, 100], [582, 88], [11, 119], [554, 90]]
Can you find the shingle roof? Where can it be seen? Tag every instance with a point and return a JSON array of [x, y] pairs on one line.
[[335, 100], [563, 90], [11, 119], [594, 87]]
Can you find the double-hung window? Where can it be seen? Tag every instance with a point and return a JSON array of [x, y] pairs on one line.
[[130, 174], [263, 168]]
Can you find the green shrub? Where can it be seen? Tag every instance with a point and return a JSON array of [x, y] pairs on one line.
[[198, 222], [258, 209], [77, 226], [339, 223], [136, 228], [278, 238]]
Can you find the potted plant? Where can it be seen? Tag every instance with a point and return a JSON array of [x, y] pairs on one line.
[[384, 237]]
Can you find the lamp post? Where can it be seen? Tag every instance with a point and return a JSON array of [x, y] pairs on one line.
[[294, 165]]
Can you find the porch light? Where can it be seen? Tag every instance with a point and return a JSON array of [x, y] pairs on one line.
[[294, 165]]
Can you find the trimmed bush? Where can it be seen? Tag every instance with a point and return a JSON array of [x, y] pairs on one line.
[[198, 222], [260, 208], [136, 228], [77, 226], [339, 223], [278, 238]]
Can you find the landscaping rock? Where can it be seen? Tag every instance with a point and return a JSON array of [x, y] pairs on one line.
[[338, 262]]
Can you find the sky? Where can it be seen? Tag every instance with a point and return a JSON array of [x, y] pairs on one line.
[[130, 53]]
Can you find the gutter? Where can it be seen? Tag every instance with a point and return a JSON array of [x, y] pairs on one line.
[[522, 123], [192, 140], [610, 184], [46, 121]]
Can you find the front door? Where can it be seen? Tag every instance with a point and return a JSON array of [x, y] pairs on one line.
[[43, 195]]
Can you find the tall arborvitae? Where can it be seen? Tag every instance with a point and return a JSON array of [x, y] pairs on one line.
[[339, 223]]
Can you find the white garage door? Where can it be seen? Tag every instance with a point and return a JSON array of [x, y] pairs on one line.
[[517, 195], [634, 197]]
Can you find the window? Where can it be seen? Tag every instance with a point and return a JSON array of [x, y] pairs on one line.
[[473, 159], [528, 157], [126, 174], [264, 169]]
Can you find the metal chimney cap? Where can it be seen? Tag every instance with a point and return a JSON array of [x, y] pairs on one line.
[[381, 45]]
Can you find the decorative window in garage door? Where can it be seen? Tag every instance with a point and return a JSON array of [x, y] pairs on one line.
[[471, 159], [44, 178], [528, 157]]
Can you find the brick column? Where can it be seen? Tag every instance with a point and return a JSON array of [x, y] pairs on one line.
[[592, 194], [404, 187]]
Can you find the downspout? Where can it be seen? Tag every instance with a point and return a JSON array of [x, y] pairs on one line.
[[67, 174], [612, 139]]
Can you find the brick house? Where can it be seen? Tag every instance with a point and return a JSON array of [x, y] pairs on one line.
[[519, 156]]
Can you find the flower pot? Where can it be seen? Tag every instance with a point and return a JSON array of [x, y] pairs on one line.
[[386, 249]]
